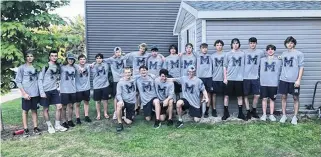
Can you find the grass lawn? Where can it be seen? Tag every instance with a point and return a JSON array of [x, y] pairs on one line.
[[99, 138]]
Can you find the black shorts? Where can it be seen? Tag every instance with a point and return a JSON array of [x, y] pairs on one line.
[[234, 88], [68, 98], [101, 94], [148, 108], [251, 87], [83, 96], [30, 104], [207, 83], [287, 88], [268, 92], [193, 112], [163, 109], [52, 97], [114, 92], [219, 88], [130, 110]]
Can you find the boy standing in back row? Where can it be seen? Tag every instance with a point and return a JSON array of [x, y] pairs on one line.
[[291, 75], [251, 83]]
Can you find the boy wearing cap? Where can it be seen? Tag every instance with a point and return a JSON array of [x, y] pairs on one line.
[[191, 89], [155, 61], [27, 82]]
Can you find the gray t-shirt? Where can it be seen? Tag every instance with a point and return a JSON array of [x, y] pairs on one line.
[[234, 62], [187, 60], [191, 89], [252, 63], [83, 79], [164, 90], [146, 88], [204, 65], [137, 60], [126, 91], [173, 65], [117, 65], [291, 64], [48, 80], [27, 78], [100, 75], [67, 79], [217, 65], [155, 64], [270, 71]]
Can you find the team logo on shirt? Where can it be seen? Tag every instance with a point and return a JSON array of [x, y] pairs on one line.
[[153, 65], [33, 75], [288, 62], [53, 73], [130, 88], [251, 59], [147, 87], [70, 75], [162, 91], [219, 62], [205, 59], [187, 63], [237, 62], [270, 67], [189, 88], [140, 61], [101, 70], [174, 64], [84, 73], [120, 64]]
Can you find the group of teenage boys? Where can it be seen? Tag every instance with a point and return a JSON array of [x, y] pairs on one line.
[[158, 84]]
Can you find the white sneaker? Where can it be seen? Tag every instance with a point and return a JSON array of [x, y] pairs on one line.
[[60, 128], [51, 129], [272, 118], [114, 116], [263, 118], [294, 120], [283, 119]]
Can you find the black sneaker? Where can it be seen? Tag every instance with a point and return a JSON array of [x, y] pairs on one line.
[[241, 116], [36, 131], [170, 122], [254, 114], [206, 114], [248, 115], [214, 113], [137, 110], [87, 119], [179, 124], [78, 121], [120, 127], [71, 123], [26, 133], [65, 125], [226, 115], [157, 124]]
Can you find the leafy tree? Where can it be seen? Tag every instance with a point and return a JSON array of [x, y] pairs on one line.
[[25, 25]]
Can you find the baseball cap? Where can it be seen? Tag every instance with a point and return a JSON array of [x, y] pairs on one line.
[[154, 48]]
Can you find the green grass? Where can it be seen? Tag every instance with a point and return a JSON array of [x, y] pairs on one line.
[[99, 138]]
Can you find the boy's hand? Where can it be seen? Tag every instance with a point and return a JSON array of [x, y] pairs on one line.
[[43, 95], [297, 83], [92, 65], [180, 54], [26, 96], [225, 81]]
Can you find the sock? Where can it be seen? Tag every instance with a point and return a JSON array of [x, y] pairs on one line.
[[207, 108], [248, 110], [180, 119], [213, 110], [240, 108], [26, 130], [48, 123], [254, 110], [57, 123], [226, 108]]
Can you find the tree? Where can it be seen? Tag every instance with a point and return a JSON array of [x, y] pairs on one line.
[[25, 25]]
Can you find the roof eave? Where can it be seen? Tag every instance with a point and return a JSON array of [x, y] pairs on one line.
[[180, 16]]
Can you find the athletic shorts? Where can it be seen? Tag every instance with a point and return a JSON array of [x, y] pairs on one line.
[[52, 98], [68, 98], [114, 92], [207, 83], [234, 88], [193, 112], [31, 104], [288, 88], [251, 87], [148, 108], [101, 94], [268, 92], [163, 109], [130, 110], [219, 87], [83, 96]]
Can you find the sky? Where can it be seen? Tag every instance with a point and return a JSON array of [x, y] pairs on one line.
[[73, 9]]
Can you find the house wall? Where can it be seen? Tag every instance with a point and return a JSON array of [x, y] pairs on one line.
[[307, 33]]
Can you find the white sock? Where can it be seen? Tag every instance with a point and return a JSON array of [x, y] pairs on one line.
[[180, 119], [57, 123], [48, 123]]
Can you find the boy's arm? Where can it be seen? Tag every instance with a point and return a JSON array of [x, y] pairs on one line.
[[171, 91], [202, 88], [40, 83], [19, 78], [301, 66], [225, 65]]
